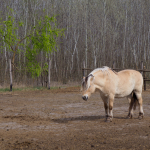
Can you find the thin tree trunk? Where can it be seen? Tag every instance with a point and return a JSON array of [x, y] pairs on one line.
[[6, 65], [124, 41], [86, 45], [49, 71], [104, 32], [10, 70]]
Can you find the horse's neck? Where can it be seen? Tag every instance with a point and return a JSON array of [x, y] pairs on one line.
[[100, 79], [106, 79]]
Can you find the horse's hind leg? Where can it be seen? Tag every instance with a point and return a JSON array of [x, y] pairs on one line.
[[131, 103], [106, 109], [140, 100]]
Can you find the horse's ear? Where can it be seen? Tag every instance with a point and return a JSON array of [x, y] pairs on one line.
[[83, 79], [82, 86], [81, 89]]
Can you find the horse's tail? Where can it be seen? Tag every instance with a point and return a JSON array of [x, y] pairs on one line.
[[135, 100]]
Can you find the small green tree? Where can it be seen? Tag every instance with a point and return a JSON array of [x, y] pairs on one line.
[[8, 32], [43, 39], [10, 38]]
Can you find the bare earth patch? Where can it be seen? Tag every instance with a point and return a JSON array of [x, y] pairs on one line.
[[60, 119]]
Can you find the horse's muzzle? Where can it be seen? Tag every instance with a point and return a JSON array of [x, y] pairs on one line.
[[85, 98]]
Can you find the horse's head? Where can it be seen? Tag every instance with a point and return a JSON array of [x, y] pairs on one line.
[[95, 80], [87, 87]]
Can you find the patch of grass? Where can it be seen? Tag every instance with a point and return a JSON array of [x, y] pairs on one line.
[[43, 88], [54, 88], [4, 89], [27, 89], [17, 88]]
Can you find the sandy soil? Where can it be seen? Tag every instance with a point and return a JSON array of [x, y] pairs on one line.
[[60, 119]]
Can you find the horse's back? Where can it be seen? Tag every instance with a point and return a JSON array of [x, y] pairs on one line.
[[129, 80], [131, 75]]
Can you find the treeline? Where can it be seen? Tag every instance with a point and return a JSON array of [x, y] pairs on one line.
[[97, 33]]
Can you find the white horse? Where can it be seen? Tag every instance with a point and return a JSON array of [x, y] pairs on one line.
[[111, 84]]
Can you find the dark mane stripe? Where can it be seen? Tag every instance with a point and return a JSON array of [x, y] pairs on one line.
[[88, 77], [114, 71]]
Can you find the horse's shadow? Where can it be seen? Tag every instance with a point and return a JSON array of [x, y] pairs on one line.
[[82, 118]]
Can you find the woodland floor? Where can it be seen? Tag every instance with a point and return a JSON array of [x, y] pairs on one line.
[[60, 119]]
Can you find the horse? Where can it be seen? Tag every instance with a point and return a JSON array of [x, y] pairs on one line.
[[110, 84]]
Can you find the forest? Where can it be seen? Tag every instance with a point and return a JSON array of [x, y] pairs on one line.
[[69, 35]]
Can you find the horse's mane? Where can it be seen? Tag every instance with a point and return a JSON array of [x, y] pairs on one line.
[[104, 69]]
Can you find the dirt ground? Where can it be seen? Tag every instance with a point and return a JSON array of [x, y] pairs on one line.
[[60, 119]]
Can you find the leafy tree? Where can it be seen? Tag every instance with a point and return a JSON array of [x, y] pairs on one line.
[[8, 32], [43, 39]]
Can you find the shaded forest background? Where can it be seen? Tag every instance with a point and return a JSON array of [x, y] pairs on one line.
[[97, 33]]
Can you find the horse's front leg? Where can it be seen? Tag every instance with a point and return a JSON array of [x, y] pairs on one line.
[[108, 104], [111, 103]]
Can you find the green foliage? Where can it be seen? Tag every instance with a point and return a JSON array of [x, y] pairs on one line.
[[21, 24], [46, 32], [44, 39], [8, 32], [32, 65], [45, 68]]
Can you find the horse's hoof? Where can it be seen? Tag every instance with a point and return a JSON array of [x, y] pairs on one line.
[[129, 117], [108, 119], [141, 116]]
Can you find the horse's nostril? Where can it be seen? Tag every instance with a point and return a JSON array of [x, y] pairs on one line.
[[84, 97]]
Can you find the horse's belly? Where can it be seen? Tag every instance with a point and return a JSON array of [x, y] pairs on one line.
[[123, 93]]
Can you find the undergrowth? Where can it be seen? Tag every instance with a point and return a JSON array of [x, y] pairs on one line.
[[27, 89]]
